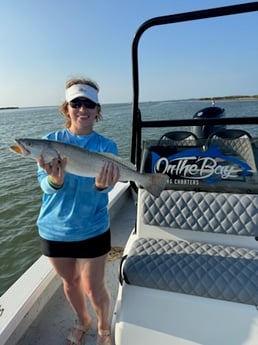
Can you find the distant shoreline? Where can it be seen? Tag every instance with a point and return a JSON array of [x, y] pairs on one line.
[[6, 108], [218, 98], [223, 98]]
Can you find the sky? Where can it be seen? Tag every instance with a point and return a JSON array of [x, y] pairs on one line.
[[45, 43]]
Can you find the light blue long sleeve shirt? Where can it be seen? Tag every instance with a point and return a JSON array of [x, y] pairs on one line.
[[77, 211]]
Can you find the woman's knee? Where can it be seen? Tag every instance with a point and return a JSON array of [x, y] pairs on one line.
[[95, 290], [71, 281]]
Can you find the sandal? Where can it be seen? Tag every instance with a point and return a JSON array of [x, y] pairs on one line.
[[104, 337], [79, 329]]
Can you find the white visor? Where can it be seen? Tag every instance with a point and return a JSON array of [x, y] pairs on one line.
[[81, 90]]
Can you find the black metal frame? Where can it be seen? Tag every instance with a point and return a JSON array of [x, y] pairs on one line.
[[138, 123]]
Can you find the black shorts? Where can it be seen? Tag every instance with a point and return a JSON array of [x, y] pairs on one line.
[[90, 248]]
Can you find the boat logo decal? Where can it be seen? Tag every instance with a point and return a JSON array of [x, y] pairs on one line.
[[194, 165]]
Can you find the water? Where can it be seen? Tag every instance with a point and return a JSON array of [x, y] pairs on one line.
[[20, 195]]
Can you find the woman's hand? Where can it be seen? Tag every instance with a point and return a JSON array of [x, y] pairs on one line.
[[55, 169], [108, 176]]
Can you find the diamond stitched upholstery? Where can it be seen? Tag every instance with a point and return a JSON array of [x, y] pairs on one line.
[[226, 213], [201, 269], [240, 145]]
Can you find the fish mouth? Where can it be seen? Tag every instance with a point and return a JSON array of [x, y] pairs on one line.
[[20, 148]]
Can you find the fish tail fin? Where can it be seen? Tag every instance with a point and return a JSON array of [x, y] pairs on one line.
[[155, 183]]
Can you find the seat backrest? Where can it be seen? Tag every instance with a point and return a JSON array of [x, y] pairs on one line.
[[236, 140], [178, 138], [222, 218]]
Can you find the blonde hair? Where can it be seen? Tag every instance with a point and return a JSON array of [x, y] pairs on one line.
[[64, 107]]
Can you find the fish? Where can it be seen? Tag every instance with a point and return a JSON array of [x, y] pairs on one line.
[[82, 162]]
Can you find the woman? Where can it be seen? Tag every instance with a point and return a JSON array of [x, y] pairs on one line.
[[73, 221]]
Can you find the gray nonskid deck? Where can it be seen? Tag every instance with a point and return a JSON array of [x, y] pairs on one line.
[[52, 325]]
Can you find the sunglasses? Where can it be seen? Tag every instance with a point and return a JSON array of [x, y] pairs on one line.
[[87, 103]]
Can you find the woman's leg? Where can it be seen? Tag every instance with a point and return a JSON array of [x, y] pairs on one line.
[[93, 282], [86, 276], [69, 271]]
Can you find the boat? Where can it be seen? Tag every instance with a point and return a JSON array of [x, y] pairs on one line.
[[184, 265]]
